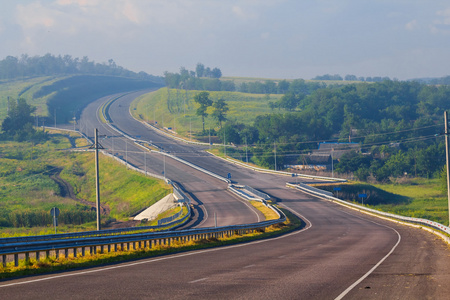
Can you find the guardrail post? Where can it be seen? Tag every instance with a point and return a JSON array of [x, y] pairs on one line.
[[37, 255], [95, 249], [115, 247], [16, 259], [109, 248], [47, 253], [27, 256], [4, 260], [102, 248], [74, 252], [66, 253], [57, 253], [121, 246], [83, 251]]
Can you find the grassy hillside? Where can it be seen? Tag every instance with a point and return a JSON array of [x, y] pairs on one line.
[[176, 108], [28, 188], [65, 95], [25, 88]]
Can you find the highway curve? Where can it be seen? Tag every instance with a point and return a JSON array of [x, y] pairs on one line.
[[340, 253]]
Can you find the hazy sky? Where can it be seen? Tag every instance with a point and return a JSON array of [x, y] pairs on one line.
[[266, 38]]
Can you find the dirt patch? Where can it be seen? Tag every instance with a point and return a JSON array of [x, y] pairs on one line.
[[66, 190]]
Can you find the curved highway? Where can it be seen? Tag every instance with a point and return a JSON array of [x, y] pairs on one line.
[[340, 254]]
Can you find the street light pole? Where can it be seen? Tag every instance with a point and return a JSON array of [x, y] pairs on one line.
[[246, 147], [97, 181], [275, 153], [447, 152]]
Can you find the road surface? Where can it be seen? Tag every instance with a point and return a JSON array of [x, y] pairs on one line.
[[340, 253]]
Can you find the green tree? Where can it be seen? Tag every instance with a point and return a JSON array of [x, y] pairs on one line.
[[19, 117], [220, 111], [203, 100]]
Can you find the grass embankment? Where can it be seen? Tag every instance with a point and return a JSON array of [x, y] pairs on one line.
[[51, 264], [28, 188], [418, 198], [26, 88], [177, 109]]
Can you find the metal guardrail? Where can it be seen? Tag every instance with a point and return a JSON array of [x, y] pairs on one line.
[[442, 228], [150, 238], [250, 194], [105, 232]]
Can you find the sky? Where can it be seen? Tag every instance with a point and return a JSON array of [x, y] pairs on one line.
[[401, 39]]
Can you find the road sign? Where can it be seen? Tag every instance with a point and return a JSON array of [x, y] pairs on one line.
[[229, 175], [54, 211], [362, 195], [337, 189]]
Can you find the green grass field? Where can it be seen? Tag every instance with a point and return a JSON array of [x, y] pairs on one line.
[[28, 192], [25, 88], [426, 200], [177, 109], [415, 197], [238, 80]]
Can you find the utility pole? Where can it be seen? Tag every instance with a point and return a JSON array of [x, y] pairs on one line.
[[447, 152], [145, 162], [97, 146], [246, 148], [275, 154], [332, 163], [55, 117]]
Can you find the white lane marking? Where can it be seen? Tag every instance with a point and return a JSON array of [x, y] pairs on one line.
[[198, 280], [282, 256], [167, 257], [249, 266], [351, 287], [205, 212]]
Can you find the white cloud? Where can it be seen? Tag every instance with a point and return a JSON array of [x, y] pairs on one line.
[[411, 25], [34, 14], [442, 24], [242, 14]]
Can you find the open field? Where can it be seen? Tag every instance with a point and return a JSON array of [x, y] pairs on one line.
[[417, 197], [30, 185], [238, 80], [177, 109]]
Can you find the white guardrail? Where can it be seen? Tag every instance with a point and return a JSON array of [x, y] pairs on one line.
[[442, 230]]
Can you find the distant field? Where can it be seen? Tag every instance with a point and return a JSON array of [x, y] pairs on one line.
[[238, 80], [176, 108]]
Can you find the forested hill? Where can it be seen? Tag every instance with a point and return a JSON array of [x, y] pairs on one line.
[[50, 65]]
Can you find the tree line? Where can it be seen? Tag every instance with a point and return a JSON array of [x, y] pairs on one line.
[[50, 65], [397, 124]]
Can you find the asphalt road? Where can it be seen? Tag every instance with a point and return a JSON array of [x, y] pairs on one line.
[[339, 253], [210, 196]]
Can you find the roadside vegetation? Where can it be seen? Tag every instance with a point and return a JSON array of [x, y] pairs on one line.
[[39, 171], [53, 264], [411, 197]]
